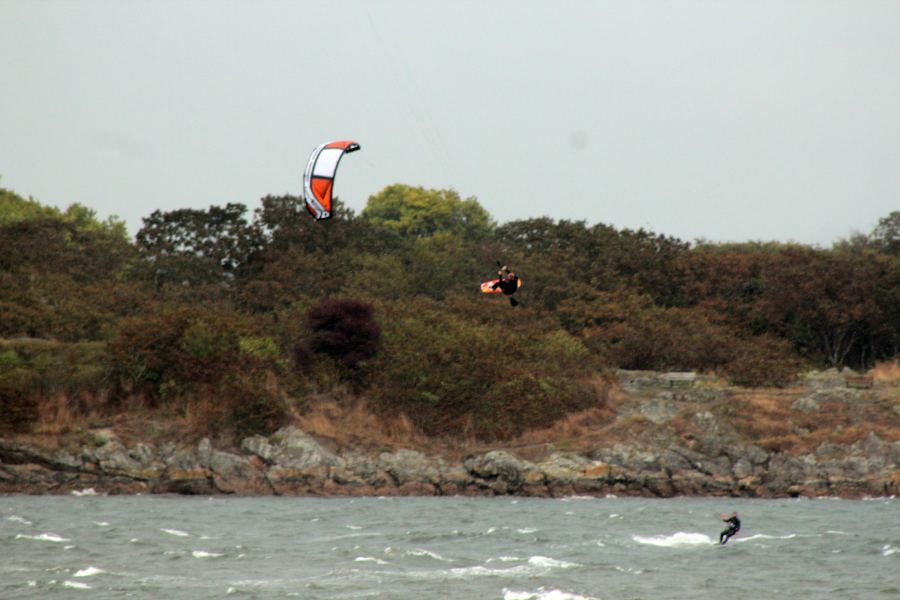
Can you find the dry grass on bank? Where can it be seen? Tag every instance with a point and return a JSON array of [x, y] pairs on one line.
[[349, 423], [886, 371], [766, 418]]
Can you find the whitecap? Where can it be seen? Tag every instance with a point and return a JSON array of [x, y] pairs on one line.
[[543, 594], [629, 570], [425, 553], [526, 530], [176, 532], [44, 537], [377, 561], [85, 492], [763, 536], [888, 550], [76, 585], [504, 559], [675, 540], [204, 554], [552, 563], [101, 523], [537, 565], [18, 519], [89, 572]]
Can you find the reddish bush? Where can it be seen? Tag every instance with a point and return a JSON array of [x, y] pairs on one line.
[[18, 410], [344, 329], [763, 361]]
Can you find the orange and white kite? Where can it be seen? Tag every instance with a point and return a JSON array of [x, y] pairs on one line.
[[318, 179]]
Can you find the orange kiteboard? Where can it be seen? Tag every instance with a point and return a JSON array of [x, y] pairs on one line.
[[487, 287]]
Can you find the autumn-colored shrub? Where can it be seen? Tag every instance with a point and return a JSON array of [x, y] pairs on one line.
[[18, 410], [632, 332], [255, 408], [167, 353], [344, 329], [44, 367], [763, 361], [453, 376]]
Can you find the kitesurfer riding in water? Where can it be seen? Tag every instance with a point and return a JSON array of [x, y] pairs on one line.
[[508, 283], [734, 525]]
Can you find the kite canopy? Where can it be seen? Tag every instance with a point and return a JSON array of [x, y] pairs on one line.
[[318, 179]]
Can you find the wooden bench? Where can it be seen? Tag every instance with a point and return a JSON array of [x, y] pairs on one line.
[[681, 380], [860, 382]]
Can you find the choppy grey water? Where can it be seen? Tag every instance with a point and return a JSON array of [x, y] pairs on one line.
[[474, 548]]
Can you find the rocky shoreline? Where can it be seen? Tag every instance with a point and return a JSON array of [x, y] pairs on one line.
[[661, 462]]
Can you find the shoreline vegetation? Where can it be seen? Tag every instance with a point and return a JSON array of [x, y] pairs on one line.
[[660, 441], [222, 351]]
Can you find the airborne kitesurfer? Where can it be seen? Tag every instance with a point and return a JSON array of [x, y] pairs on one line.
[[734, 525], [508, 283]]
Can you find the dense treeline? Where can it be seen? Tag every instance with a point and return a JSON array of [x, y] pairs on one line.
[[261, 311]]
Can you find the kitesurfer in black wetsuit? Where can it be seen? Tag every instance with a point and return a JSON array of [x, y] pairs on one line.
[[734, 525], [508, 283]]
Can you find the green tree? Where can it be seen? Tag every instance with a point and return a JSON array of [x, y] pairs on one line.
[[824, 303], [197, 246], [16, 209], [886, 234], [60, 279], [417, 212]]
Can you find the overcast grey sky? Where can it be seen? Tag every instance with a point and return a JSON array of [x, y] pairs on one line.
[[729, 121]]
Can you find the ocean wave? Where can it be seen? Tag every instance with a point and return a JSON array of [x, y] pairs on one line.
[[176, 532], [44, 537], [536, 566], [85, 492], [75, 585], [763, 536], [504, 559], [18, 519], [377, 561], [628, 570], [543, 561], [89, 572], [204, 554], [675, 540], [421, 552], [543, 594]]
